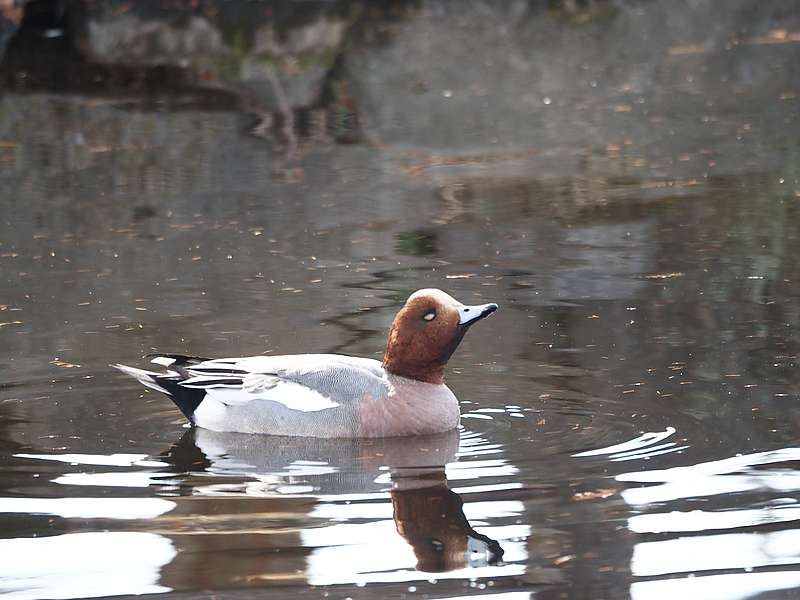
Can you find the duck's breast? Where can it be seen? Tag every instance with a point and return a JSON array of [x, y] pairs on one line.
[[410, 408]]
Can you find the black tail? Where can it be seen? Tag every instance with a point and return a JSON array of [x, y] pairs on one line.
[[186, 399]]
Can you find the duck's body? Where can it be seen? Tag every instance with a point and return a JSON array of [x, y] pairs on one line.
[[329, 395], [317, 395]]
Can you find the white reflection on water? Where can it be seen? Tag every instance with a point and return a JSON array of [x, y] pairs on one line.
[[499, 596], [730, 475], [703, 520], [734, 586], [466, 466], [475, 469], [83, 565], [105, 460], [710, 552], [89, 508], [491, 487], [138, 479], [356, 552], [309, 468], [760, 473], [644, 446]]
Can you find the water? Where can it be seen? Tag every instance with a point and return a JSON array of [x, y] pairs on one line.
[[630, 415]]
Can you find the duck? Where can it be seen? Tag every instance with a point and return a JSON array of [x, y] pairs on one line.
[[329, 395]]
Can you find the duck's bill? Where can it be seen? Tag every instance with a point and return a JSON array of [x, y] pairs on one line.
[[467, 315]]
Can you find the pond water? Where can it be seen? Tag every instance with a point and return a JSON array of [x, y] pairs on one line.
[[630, 415]]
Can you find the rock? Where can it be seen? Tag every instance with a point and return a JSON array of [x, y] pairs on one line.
[[277, 59], [10, 18], [625, 82]]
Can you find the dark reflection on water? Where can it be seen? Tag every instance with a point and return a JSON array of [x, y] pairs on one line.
[[222, 179]]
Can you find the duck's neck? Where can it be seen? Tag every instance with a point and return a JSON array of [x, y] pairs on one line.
[[428, 374]]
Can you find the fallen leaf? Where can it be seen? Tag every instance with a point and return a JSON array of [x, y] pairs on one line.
[[776, 36], [597, 494], [64, 364], [689, 49]]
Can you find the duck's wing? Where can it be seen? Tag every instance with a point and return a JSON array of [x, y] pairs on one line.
[[306, 394], [270, 365], [331, 375]]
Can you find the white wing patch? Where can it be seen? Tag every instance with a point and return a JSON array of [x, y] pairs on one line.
[[256, 386], [164, 361]]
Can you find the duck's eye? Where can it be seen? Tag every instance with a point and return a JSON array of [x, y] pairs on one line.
[[429, 316]]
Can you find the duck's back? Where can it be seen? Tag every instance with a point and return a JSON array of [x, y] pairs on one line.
[[315, 395]]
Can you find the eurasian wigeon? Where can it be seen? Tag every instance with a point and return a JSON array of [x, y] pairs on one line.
[[330, 395]]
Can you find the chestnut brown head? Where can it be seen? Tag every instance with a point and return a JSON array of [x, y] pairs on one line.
[[426, 332]]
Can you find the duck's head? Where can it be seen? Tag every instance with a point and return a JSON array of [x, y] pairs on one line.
[[426, 332]]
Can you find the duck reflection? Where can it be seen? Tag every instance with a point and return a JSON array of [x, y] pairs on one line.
[[279, 500], [431, 519]]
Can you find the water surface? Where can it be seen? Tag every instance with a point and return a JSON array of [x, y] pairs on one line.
[[630, 416]]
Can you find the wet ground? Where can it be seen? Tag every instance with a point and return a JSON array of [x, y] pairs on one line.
[[622, 178]]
